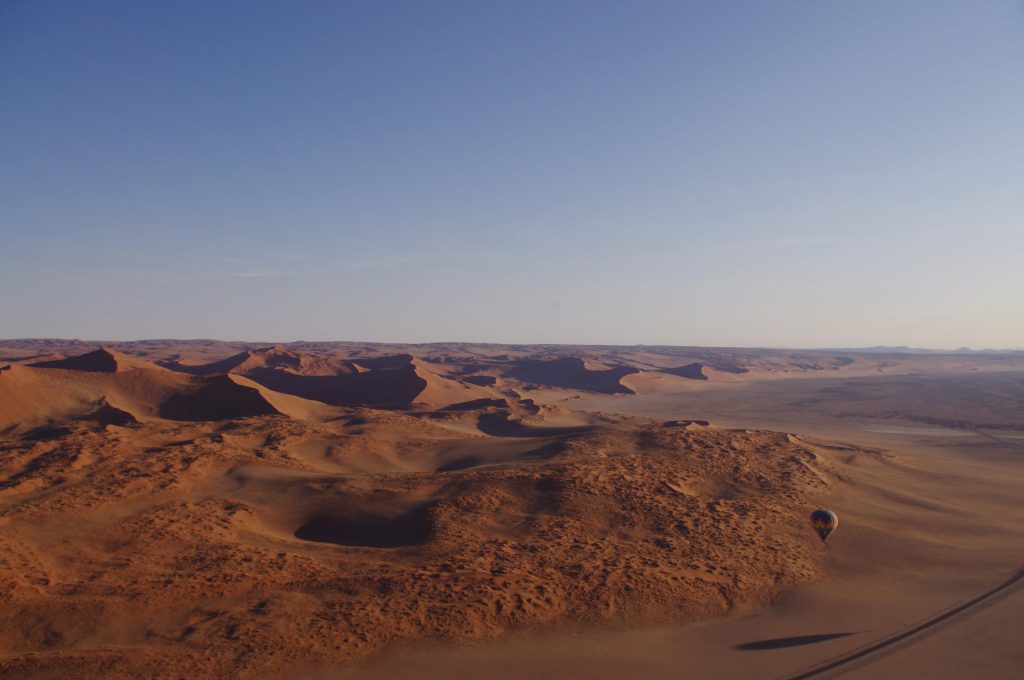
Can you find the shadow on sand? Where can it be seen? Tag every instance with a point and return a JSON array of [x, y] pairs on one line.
[[796, 641]]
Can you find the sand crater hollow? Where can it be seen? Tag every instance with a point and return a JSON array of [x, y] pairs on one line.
[[365, 530]]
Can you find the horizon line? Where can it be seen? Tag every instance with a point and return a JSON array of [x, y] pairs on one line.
[[847, 348]]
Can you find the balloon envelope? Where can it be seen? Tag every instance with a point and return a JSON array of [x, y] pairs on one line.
[[824, 522]]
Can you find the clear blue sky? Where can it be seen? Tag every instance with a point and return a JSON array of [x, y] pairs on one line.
[[721, 173]]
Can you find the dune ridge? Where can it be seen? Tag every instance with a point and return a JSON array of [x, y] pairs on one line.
[[100, 384], [396, 381], [572, 373], [102, 360]]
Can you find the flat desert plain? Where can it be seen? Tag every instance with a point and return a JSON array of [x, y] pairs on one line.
[[205, 509]]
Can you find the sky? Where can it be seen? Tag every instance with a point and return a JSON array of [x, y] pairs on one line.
[[785, 174]]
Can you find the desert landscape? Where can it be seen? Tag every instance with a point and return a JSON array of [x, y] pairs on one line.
[[339, 510], [512, 340]]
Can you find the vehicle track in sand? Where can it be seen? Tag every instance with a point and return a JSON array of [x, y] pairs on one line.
[[909, 636]]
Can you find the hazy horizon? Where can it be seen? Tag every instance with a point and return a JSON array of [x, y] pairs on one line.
[[99, 342], [800, 175]]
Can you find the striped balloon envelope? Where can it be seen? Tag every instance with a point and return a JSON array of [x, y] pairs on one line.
[[824, 522]]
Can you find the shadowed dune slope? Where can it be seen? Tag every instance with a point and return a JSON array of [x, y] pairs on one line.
[[216, 398], [385, 388], [102, 360], [101, 384], [277, 357], [289, 405], [571, 373], [694, 371], [397, 381]]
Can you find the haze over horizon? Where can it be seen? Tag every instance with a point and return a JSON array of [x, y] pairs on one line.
[[793, 175], [103, 342]]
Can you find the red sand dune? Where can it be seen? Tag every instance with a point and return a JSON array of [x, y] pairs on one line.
[[200, 522], [103, 360], [571, 373], [206, 553], [103, 383], [396, 381]]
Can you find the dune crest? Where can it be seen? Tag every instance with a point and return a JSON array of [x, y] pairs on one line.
[[102, 360], [395, 381], [573, 373]]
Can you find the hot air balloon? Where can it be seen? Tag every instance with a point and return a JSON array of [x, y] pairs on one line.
[[824, 522]]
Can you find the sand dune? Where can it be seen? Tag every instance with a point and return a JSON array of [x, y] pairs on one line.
[[202, 522], [396, 381], [275, 357], [694, 371], [216, 398], [287, 404], [443, 389], [109, 387], [743, 364], [572, 373], [36, 395], [226, 538], [102, 360]]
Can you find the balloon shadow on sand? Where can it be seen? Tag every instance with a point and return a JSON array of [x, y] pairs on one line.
[[796, 641]]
